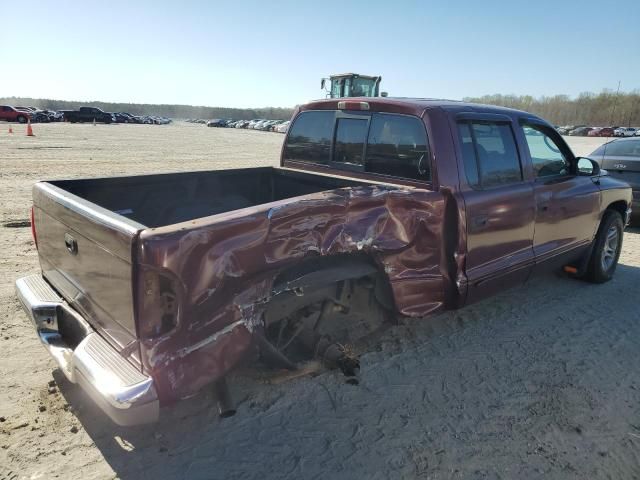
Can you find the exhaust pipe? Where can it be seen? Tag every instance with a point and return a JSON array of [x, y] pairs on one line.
[[226, 407]]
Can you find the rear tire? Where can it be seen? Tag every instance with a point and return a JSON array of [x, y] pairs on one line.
[[22, 119], [607, 248]]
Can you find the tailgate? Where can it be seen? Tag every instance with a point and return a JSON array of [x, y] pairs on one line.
[[85, 252]]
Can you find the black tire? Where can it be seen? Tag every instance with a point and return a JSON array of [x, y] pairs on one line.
[[21, 119], [607, 248]]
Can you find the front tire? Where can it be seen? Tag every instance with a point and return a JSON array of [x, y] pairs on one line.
[[607, 248], [22, 119]]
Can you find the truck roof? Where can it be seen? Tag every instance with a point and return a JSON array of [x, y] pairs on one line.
[[414, 106]]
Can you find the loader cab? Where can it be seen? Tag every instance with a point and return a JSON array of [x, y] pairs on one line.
[[352, 85]]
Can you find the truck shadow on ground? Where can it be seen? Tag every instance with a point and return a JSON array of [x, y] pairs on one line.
[[468, 391]]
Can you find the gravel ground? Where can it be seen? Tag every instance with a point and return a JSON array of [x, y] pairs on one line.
[[538, 382]]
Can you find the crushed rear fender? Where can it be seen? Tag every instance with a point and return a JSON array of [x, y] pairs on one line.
[[221, 271]]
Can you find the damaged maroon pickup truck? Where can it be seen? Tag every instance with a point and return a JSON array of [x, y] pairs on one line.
[[155, 286]]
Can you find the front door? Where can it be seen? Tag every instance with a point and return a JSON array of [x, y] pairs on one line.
[[499, 206], [567, 204]]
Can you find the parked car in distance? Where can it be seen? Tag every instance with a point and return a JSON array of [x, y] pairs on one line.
[[54, 116], [11, 114], [216, 122], [568, 128], [282, 128], [625, 132], [606, 132], [580, 132], [601, 132], [88, 114], [123, 117], [36, 116], [621, 159], [153, 287]]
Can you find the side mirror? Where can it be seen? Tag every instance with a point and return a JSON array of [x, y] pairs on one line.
[[384, 94], [588, 167], [322, 84]]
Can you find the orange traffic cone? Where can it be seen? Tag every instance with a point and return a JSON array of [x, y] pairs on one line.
[[29, 129], [10, 130]]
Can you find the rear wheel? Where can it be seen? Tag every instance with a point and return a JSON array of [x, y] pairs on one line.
[[332, 324], [22, 119], [607, 247]]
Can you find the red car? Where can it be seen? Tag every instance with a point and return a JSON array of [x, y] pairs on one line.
[[606, 132], [10, 114], [601, 132]]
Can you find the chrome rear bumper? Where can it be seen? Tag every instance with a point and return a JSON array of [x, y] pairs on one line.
[[125, 394]]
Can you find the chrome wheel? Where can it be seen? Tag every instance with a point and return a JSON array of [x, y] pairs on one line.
[[610, 248]]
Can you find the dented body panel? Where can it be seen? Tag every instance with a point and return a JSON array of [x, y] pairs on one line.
[[227, 265]]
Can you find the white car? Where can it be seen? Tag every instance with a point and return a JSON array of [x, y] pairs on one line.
[[282, 128], [625, 132]]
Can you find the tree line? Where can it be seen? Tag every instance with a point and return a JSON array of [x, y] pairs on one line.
[[603, 109], [171, 111]]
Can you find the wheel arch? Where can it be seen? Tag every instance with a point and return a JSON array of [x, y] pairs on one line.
[[619, 206], [320, 271]]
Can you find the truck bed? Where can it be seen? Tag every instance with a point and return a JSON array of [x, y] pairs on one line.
[[166, 199], [87, 229]]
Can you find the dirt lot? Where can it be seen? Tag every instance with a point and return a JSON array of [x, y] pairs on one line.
[[539, 382]]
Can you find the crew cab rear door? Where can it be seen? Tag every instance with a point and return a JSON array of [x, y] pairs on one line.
[[499, 204]]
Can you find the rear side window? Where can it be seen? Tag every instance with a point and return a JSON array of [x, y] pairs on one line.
[[489, 154], [309, 138], [624, 148], [397, 146]]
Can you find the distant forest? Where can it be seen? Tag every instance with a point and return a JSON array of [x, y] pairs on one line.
[[595, 109], [171, 111], [602, 109]]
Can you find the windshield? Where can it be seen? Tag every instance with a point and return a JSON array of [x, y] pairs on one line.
[[353, 87]]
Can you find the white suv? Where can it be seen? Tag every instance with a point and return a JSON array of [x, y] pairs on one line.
[[625, 131]]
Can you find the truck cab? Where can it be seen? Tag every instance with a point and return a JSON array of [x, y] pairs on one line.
[[352, 85]]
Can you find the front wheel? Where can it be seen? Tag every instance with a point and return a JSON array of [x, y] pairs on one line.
[[607, 247], [22, 119]]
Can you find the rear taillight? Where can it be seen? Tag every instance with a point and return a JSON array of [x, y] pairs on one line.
[[350, 105], [33, 228], [158, 305]]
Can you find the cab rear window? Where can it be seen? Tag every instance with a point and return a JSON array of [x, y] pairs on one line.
[[309, 138], [385, 144]]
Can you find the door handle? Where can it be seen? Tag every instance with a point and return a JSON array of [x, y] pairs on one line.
[[480, 220], [543, 207], [71, 244]]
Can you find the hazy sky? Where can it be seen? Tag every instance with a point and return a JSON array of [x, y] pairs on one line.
[[246, 53]]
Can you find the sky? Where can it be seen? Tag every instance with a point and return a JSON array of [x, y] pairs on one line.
[[246, 53]]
